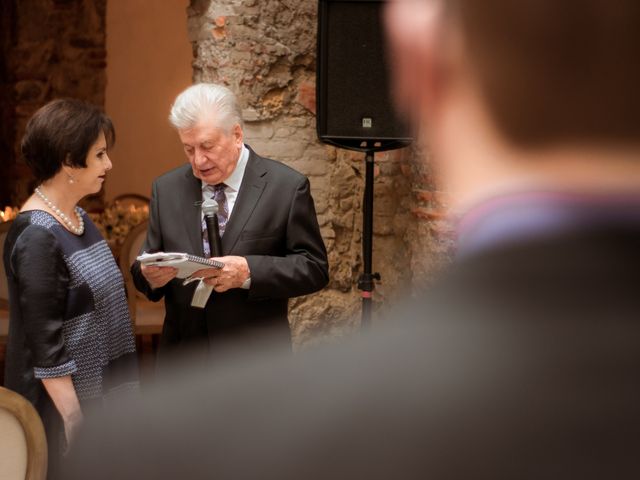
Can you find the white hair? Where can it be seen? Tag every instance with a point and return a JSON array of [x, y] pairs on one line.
[[203, 99]]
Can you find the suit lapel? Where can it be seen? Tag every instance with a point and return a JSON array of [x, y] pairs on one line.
[[250, 192], [191, 198]]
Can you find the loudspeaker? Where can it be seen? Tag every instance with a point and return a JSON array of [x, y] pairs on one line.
[[354, 108]]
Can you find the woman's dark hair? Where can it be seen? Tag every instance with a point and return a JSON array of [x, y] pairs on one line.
[[61, 133]]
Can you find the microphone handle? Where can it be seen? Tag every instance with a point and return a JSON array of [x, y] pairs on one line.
[[213, 233]]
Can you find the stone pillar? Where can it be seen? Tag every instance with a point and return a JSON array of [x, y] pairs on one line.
[[265, 52]]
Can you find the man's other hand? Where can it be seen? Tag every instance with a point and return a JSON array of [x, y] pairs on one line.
[[158, 276], [233, 275]]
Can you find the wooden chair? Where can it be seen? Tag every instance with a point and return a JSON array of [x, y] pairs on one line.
[[147, 316], [23, 444], [134, 199], [4, 288]]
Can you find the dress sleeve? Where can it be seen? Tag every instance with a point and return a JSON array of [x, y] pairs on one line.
[[42, 279]]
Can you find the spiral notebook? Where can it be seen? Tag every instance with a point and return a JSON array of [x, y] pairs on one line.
[[185, 263]]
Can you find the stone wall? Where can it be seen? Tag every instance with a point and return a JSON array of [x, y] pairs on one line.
[[50, 49], [6, 106], [265, 51]]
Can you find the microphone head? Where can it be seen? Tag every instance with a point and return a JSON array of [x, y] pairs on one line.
[[209, 207]]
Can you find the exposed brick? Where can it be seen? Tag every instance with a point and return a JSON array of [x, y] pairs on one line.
[[429, 213], [424, 195], [307, 96], [219, 33]]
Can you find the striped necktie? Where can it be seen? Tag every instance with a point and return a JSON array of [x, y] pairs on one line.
[[217, 193]]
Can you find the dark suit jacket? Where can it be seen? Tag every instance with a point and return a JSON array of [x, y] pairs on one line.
[[273, 225], [523, 364]]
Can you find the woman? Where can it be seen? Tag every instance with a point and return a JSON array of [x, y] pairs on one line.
[[69, 329]]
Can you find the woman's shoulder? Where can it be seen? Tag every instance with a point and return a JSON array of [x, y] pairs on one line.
[[38, 218], [33, 228], [45, 220], [30, 233], [35, 224]]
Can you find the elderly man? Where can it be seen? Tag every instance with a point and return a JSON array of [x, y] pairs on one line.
[[271, 241]]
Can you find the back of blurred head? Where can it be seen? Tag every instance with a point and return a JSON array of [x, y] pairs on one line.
[[498, 79]]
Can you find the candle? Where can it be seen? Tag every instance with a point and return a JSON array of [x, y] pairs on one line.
[[8, 213]]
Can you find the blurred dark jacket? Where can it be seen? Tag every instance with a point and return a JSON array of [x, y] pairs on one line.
[[522, 364]]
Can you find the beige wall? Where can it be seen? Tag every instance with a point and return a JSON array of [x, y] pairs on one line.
[[148, 63]]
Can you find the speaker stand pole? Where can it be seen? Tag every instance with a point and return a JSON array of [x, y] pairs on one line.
[[366, 282]]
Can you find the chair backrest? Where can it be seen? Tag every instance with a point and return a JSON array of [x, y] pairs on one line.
[[23, 444], [128, 253], [4, 288], [134, 199]]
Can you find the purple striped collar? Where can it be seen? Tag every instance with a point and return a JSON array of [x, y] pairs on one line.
[[517, 217]]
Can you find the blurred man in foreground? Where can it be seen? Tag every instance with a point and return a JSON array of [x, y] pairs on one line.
[[522, 364]]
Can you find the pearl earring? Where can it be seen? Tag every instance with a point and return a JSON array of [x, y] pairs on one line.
[[70, 179]]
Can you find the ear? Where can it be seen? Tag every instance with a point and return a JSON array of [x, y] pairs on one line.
[[238, 135], [66, 164], [415, 31]]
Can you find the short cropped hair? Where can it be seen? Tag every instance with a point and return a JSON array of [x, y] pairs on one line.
[[203, 99], [61, 133], [557, 70]]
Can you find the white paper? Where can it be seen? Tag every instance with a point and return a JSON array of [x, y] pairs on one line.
[[180, 261], [201, 295]]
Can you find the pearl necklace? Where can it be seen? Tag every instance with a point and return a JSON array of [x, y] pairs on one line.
[[79, 230]]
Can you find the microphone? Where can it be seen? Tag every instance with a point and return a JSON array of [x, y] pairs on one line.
[[210, 210]]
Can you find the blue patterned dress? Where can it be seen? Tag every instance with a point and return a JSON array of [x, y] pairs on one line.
[[68, 315]]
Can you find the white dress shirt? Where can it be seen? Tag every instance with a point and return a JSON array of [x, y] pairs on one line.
[[232, 182]]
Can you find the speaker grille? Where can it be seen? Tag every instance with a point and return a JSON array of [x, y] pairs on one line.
[[353, 87]]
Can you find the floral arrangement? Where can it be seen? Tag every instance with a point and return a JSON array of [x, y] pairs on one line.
[[117, 220]]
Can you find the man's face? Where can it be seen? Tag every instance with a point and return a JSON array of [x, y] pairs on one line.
[[212, 152]]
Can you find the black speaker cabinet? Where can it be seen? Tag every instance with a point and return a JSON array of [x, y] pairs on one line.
[[354, 108]]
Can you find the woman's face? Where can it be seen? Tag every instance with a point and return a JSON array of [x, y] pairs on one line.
[[90, 178]]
